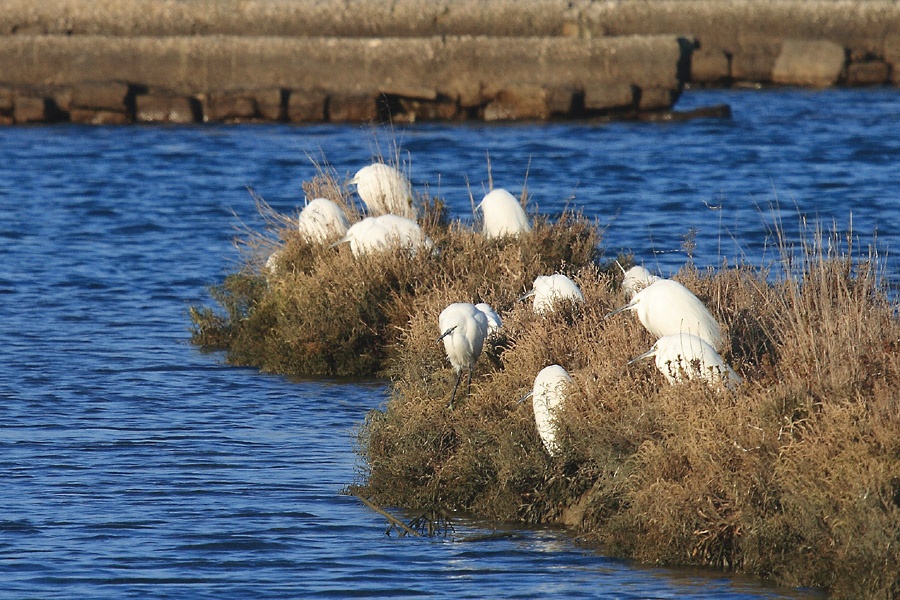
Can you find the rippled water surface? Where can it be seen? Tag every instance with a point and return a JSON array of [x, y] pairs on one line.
[[133, 465]]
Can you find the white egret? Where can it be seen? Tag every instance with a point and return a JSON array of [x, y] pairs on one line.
[[547, 397], [685, 355], [463, 330], [385, 190], [322, 220], [503, 215], [385, 232], [550, 289], [493, 319], [635, 279], [666, 307]]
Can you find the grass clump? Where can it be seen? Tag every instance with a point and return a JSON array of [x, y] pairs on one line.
[[794, 476], [317, 310]]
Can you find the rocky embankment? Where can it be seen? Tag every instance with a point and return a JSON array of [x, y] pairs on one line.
[[105, 61]]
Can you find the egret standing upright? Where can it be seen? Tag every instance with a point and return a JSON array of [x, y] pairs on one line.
[[384, 190], [666, 307], [463, 329], [503, 215], [547, 398]]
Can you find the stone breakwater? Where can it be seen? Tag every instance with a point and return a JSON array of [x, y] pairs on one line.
[[106, 61]]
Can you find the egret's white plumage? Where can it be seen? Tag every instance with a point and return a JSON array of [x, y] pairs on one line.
[[550, 289], [322, 220], [503, 215], [385, 232], [686, 355], [385, 190], [635, 279], [493, 319], [463, 330], [547, 397], [666, 307]]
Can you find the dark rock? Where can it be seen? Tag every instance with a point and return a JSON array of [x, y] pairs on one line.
[[352, 108], [29, 109], [306, 107], [873, 72]]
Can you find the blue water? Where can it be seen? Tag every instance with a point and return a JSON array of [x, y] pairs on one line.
[[135, 466]]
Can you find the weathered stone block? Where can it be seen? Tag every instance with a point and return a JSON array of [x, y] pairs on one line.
[[874, 72], [655, 98], [269, 105], [306, 107], [89, 116], [7, 98], [710, 65], [427, 110], [892, 56], [352, 108], [29, 109], [230, 107], [753, 64], [518, 102], [605, 96], [108, 96], [161, 108], [816, 63]]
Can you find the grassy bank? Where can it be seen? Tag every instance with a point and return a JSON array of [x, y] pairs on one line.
[[318, 310], [794, 476]]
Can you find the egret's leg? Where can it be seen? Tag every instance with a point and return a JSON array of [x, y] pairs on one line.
[[469, 388], [453, 395]]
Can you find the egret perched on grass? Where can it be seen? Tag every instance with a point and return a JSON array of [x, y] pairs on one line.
[[385, 190], [685, 355], [493, 319], [322, 220], [463, 330], [503, 215], [635, 279], [547, 398], [385, 232], [666, 307], [550, 289]]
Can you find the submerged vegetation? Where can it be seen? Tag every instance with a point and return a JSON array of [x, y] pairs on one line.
[[793, 475]]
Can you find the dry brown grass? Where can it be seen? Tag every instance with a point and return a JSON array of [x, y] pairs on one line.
[[324, 312], [794, 477]]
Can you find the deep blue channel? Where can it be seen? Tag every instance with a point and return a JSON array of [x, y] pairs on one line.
[[135, 466]]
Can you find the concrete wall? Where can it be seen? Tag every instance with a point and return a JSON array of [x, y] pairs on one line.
[[108, 61]]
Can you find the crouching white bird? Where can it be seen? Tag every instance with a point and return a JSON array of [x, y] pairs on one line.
[[322, 220], [384, 190], [666, 307], [635, 279], [385, 232], [463, 330], [503, 215], [547, 398], [493, 319], [684, 355], [548, 290]]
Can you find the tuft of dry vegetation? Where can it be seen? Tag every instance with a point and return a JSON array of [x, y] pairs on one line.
[[794, 476], [316, 310]]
